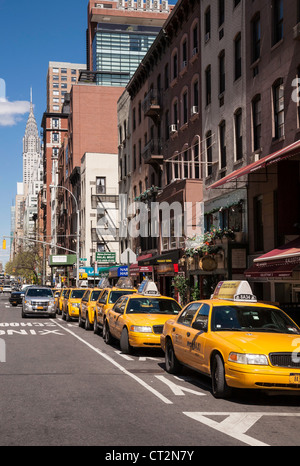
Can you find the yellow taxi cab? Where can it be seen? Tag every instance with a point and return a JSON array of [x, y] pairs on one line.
[[236, 340], [72, 301], [86, 308], [137, 320], [61, 300], [107, 299], [57, 293]]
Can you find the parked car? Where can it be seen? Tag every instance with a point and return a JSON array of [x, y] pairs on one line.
[[38, 300]]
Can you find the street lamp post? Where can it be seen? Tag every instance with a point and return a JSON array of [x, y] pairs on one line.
[[78, 227]]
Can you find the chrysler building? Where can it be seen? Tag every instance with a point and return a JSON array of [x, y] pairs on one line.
[[31, 148]]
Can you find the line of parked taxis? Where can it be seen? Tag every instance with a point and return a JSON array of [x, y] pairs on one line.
[[232, 338]]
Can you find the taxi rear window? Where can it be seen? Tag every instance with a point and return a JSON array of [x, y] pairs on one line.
[[115, 295], [254, 319], [77, 294], [153, 306]]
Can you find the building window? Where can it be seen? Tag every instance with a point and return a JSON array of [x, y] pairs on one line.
[[258, 223], [238, 134], [237, 57], [140, 151], [140, 112], [278, 106], [221, 12], [208, 85], [175, 65], [207, 25], [175, 113], [133, 119], [55, 123], [209, 153], [222, 72], [222, 139], [195, 96], [55, 137], [167, 123], [184, 53], [256, 122], [256, 36], [100, 185], [134, 157], [184, 107], [166, 76], [277, 21], [195, 44]]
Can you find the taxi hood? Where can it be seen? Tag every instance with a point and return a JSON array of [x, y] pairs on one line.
[[148, 319], [259, 342]]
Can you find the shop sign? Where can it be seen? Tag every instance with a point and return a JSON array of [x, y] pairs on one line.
[[208, 263]]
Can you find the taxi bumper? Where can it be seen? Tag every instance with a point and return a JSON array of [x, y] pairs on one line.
[[263, 377], [138, 339]]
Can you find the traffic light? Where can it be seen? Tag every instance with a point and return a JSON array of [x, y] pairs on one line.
[[4, 244]]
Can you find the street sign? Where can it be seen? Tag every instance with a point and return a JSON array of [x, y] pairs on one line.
[[106, 257]]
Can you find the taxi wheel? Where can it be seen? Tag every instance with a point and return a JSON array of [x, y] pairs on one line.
[[126, 348], [87, 325], [106, 334], [63, 316], [96, 329], [173, 366], [80, 321], [220, 388]]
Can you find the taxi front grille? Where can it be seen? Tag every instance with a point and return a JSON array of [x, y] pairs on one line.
[[285, 359], [158, 328]]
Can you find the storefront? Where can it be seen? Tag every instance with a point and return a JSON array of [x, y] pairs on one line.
[[275, 277], [116, 272], [164, 268]]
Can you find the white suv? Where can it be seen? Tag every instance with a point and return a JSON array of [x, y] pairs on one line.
[[38, 300]]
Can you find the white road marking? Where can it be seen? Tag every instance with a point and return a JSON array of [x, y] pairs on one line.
[[125, 356], [116, 364], [177, 389], [236, 424]]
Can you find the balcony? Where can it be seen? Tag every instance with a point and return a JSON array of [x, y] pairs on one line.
[[153, 153], [152, 104]]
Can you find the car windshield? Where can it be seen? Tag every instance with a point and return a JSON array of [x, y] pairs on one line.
[[153, 306], [77, 294], [95, 295], [39, 292], [115, 295], [253, 319]]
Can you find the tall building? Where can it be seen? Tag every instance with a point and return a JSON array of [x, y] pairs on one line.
[[118, 36], [31, 147], [60, 78]]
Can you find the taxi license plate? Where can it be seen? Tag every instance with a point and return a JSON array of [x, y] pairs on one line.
[[295, 378]]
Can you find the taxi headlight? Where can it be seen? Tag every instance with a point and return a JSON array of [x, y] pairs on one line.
[[247, 358], [75, 304], [141, 328]]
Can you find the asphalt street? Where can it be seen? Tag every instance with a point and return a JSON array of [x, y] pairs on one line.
[[61, 385]]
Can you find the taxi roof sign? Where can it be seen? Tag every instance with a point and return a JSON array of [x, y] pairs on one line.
[[148, 288], [234, 290], [124, 282]]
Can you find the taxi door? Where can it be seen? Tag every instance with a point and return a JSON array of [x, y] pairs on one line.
[[181, 332], [197, 339], [99, 306], [115, 317]]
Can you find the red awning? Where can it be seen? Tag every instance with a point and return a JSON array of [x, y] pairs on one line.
[[269, 270], [287, 151], [279, 262]]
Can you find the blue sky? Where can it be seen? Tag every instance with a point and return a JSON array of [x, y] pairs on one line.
[[31, 34]]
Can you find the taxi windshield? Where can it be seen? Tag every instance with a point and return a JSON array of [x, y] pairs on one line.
[[115, 295], [77, 294], [254, 319], [95, 295], [153, 306]]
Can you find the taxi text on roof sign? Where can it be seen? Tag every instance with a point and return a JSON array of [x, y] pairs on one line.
[[148, 288], [235, 290]]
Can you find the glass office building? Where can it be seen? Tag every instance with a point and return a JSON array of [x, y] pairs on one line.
[[118, 50]]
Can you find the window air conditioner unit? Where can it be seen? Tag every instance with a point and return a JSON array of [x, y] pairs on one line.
[[130, 4], [207, 36], [173, 129], [121, 3], [194, 110], [195, 51], [140, 4], [184, 64]]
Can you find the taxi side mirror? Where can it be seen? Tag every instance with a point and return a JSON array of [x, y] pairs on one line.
[[200, 325]]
